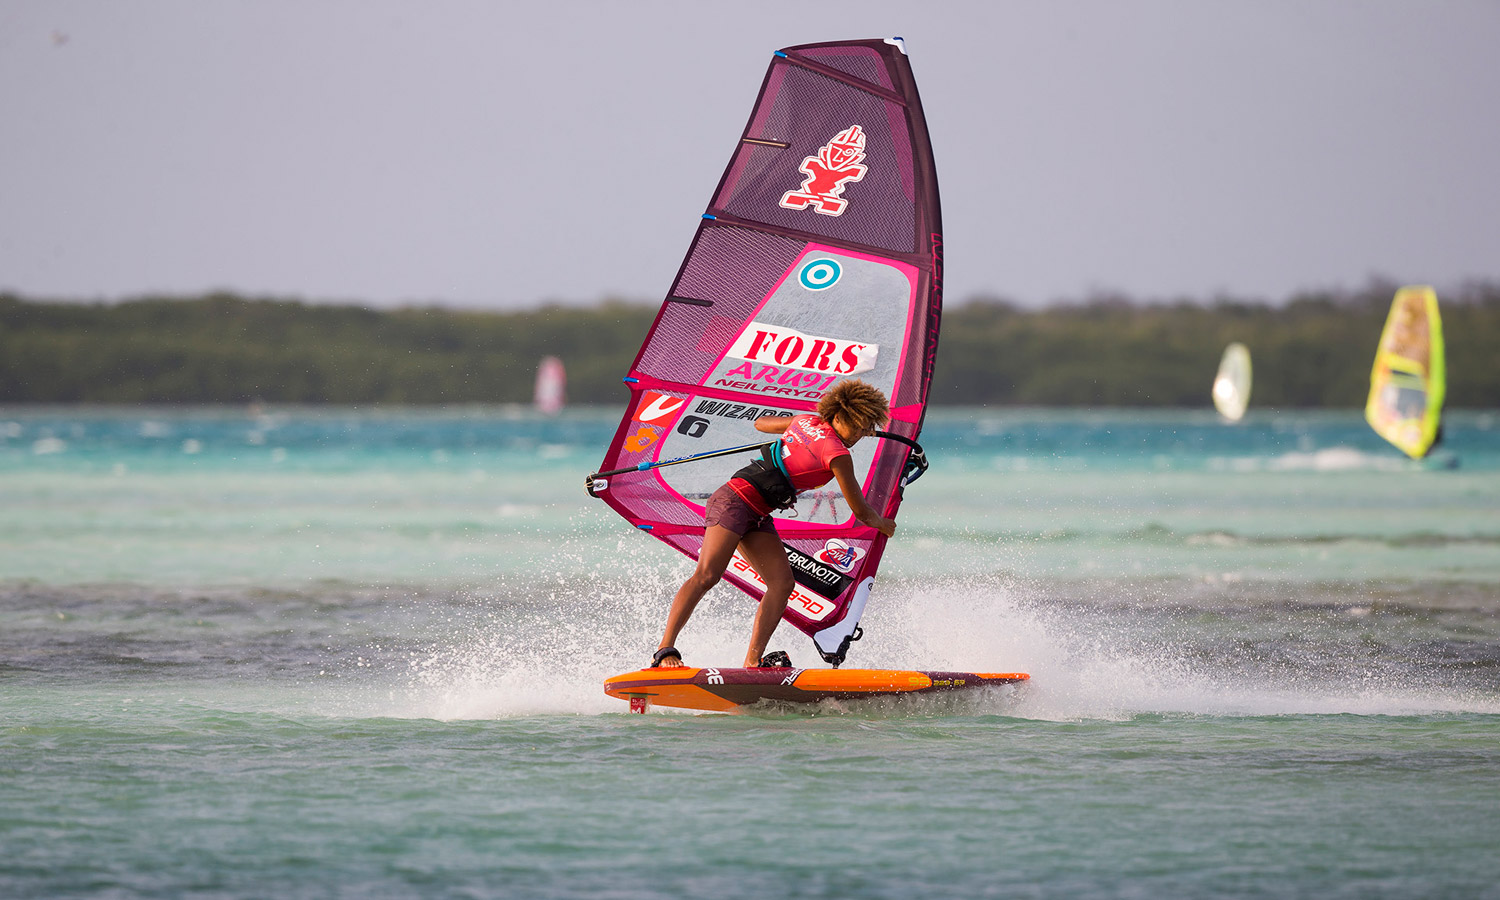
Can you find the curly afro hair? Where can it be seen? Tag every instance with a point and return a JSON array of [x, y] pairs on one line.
[[862, 405]]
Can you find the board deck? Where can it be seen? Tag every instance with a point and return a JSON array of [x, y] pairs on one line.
[[729, 690]]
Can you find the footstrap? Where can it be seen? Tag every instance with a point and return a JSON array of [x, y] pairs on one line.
[[662, 654], [776, 659]]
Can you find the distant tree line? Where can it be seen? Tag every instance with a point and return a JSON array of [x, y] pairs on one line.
[[227, 349], [1315, 350]]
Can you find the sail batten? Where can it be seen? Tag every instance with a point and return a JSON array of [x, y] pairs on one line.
[[851, 80], [818, 258], [780, 231]]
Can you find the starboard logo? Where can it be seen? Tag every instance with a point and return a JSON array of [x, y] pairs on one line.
[[840, 555], [790, 348], [837, 164], [806, 603]]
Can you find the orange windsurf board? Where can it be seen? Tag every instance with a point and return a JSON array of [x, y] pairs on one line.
[[728, 690]]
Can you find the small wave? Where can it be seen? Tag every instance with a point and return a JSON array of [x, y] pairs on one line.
[[1335, 459], [1215, 539], [1329, 459], [1425, 539]]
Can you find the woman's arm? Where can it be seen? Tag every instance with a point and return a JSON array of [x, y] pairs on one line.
[[773, 424], [843, 470]]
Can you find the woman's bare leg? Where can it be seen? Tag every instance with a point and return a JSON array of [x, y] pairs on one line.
[[764, 551], [713, 558]]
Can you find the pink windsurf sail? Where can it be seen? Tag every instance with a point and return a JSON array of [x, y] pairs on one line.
[[819, 258], [551, 386]]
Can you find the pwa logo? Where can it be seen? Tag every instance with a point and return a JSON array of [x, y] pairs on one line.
[[836, 165], [840, 555]]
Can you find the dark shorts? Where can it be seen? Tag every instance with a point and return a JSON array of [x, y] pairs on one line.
[[727, 510]]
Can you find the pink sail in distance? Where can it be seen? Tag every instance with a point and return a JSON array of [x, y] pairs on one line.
[[551, 386], [819, 258]]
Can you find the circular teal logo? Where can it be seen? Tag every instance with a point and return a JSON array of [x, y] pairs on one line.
[[820, 274]]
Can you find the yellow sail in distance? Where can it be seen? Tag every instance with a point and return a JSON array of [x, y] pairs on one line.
[[1409, 378]]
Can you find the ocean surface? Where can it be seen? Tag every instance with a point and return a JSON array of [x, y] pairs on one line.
[[294, 653]]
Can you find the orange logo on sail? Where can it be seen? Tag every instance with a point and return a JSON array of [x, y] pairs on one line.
[[639, 441]]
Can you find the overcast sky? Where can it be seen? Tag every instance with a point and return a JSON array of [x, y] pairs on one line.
[[497, 155]]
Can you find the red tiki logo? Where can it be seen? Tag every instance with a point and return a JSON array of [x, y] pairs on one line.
[[837, 164]]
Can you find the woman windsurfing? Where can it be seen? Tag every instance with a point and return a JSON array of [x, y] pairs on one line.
[[813, 450]]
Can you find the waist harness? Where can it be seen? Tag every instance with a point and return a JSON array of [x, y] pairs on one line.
[[769, 479]]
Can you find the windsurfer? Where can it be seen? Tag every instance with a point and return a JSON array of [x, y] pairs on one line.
[[814, 449]]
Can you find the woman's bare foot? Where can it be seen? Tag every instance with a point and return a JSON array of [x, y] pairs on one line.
[[666, 658]]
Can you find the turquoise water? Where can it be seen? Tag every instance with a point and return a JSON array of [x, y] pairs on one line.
[[302, 653]]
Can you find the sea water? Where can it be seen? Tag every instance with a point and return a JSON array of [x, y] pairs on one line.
[[359, 652]]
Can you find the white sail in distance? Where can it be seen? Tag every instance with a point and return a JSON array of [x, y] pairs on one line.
[[1231, 391]]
